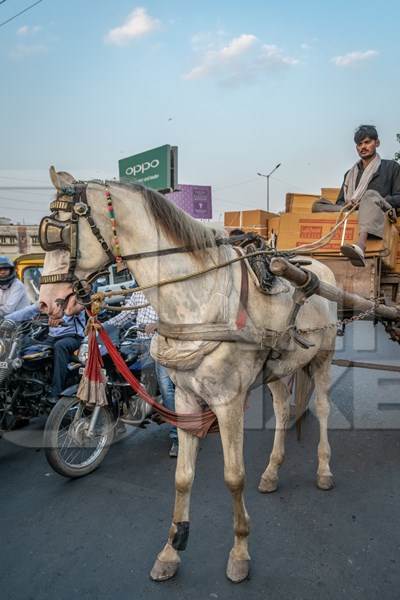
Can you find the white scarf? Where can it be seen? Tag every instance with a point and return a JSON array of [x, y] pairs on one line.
[[353, 193]]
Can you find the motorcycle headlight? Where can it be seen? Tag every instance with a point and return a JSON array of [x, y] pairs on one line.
[[83, 353]]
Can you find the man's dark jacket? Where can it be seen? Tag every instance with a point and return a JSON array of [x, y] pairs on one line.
[[386, 181]]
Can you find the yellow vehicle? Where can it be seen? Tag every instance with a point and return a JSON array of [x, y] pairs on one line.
[[28, 268]]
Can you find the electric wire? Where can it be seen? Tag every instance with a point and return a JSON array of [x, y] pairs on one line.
[[20, 13]]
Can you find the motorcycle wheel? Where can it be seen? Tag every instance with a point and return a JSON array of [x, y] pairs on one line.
[[68, 448]]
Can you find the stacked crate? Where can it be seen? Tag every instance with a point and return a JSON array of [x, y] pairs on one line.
[[302, 203], [249, 220], [294, 230]]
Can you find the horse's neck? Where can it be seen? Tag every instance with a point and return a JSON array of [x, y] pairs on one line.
[[137, 233]]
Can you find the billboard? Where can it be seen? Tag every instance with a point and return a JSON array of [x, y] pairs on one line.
[[193, 199], [156, 168]]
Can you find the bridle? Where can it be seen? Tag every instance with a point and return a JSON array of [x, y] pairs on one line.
[[57, 234]]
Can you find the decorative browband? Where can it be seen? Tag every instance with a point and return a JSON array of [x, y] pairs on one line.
[[66, 205], [59, 278]]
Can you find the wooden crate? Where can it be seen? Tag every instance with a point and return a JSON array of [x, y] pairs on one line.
[[330, 194], [300, 203], [249, 220], [296, 230], [232, 219]]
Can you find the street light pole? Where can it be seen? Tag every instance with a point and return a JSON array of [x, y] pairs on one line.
[[267, 177]]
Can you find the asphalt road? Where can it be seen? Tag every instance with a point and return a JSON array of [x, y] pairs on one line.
[[96, 538]]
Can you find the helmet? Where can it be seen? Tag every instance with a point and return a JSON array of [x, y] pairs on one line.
[[7, 263]]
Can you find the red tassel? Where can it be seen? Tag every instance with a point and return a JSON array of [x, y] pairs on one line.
[[92, 387]]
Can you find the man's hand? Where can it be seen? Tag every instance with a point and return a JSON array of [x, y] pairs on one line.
[[54, 321]]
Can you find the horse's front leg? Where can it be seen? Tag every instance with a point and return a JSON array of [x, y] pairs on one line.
[[230, 420], [167, 562]]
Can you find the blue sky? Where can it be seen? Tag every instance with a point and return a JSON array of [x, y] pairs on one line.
[[237, 86]]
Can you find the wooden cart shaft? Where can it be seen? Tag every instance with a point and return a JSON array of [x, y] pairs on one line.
[[357, 304]]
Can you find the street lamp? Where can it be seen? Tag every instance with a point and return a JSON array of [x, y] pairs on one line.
[[268, 176]]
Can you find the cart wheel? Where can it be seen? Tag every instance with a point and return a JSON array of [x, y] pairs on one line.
[[301, 386]]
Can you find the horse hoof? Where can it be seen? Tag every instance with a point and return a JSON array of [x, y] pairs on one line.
[[268, 485], [237, 570], [162, 571], [325, 482]]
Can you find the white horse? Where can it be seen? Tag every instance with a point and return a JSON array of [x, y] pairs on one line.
[[205, 306]]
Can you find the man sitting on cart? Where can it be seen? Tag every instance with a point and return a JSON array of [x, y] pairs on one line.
[[374, 185]]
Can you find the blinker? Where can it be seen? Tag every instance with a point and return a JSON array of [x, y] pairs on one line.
[[55, 234]]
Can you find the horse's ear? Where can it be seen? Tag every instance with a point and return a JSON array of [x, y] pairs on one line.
[[60, 179]]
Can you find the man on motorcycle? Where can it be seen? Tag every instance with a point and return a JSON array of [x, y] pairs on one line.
[[65, 336], [13, 294], [146, 320]]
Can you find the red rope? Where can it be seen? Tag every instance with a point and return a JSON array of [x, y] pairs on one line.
[[199, 424], [93, 368]]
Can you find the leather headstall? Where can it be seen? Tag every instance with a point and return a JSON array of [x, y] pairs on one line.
[[57, 234]]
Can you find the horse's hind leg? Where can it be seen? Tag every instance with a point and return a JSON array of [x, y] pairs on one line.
[[230, 420], [280, 396], [322, 383], [167, 562]]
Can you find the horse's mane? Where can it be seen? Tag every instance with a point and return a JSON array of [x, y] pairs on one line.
[[179, 227]]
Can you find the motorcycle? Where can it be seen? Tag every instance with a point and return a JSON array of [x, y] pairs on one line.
[[26, 366], [78, 436]]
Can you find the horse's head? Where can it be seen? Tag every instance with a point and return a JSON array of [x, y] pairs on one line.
[[74, 246]]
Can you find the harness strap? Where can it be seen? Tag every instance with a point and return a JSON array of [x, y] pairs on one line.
[[198, 424], [244, 294]]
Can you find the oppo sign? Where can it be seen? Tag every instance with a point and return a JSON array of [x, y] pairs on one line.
[[156, 168], [142, 168]]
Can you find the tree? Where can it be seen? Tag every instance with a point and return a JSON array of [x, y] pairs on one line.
[[397, 154]]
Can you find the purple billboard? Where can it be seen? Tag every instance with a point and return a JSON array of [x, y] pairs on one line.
[[193, 199]]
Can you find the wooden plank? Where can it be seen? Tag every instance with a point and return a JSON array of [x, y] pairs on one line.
[[364, 282]]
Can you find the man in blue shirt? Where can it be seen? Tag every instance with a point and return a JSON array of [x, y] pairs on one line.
[[65, 336], [13, 294]]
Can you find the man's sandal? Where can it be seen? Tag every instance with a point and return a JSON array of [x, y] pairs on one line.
[[354, 254]]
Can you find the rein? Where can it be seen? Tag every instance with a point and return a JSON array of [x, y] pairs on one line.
[[57, 234]]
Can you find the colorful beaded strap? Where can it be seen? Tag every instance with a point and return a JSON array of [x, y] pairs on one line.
[[121, 265]]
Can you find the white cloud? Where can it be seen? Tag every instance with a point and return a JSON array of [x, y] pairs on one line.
[[137, 24], [272, 55], [354, 58], [22, 51], [243, 58], [27, 30]]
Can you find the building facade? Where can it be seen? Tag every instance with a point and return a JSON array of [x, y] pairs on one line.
[[18, 239]]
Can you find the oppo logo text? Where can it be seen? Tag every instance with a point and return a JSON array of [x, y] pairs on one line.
[[140, 169]]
